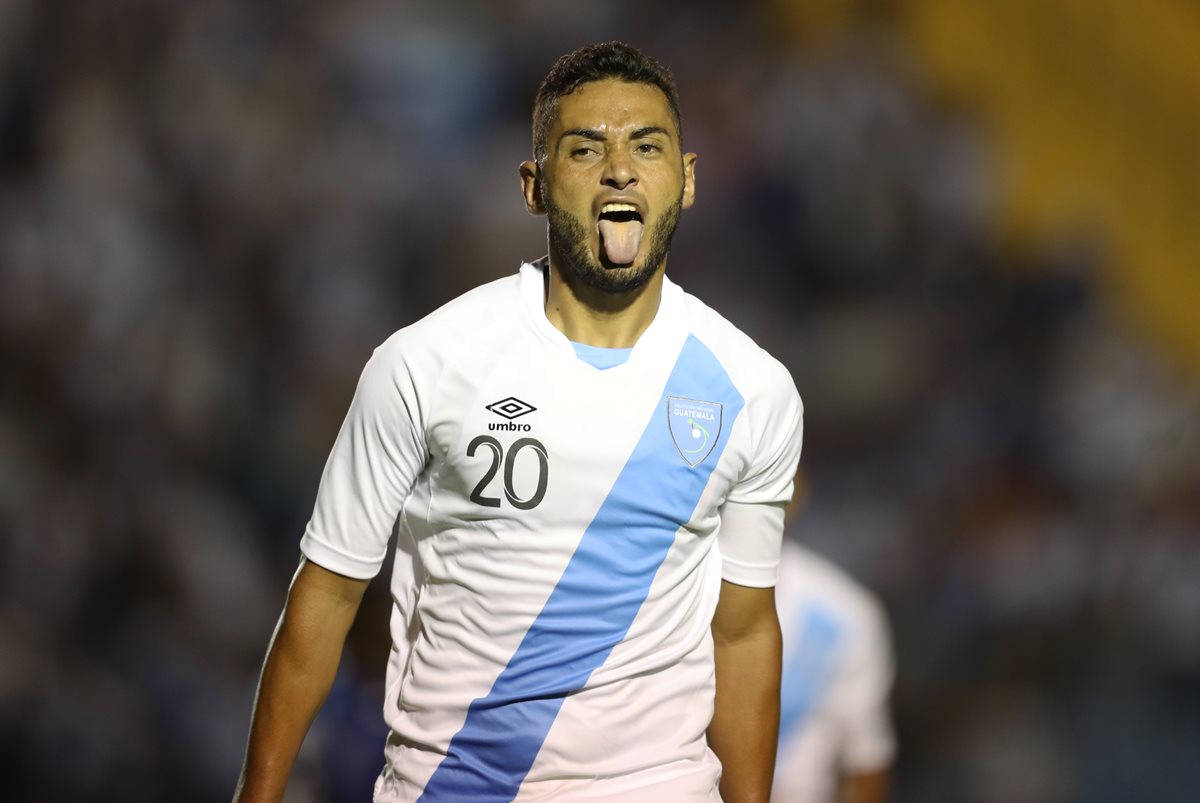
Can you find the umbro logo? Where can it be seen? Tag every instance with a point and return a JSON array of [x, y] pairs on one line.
[[510, 408]]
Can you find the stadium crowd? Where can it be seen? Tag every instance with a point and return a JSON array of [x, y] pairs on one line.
[[210, 214]]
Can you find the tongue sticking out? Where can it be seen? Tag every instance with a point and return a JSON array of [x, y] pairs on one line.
[[620, 240]]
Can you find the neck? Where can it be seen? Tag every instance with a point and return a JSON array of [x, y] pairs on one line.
[[598, 318]]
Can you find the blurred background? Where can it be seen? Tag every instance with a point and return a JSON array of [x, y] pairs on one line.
[[967, 228]]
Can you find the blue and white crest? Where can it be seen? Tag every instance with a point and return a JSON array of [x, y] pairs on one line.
[[695, 427]]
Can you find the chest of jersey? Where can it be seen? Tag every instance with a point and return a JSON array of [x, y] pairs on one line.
[[546, 445]]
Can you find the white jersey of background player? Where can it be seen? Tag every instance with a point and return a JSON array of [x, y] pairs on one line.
[[586, 469], [836, 741]]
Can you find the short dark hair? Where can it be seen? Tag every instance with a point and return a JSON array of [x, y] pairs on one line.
[[596, 63]]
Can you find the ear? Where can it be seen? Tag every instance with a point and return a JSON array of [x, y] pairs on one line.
[[689, 179], [531, 179]]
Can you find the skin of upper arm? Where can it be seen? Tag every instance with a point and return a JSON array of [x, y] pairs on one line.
[[866, 787], [317, 577], [745, 726], [320, 599], [743, 612]]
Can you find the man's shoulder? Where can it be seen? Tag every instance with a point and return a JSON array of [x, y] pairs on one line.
[[751, 367]]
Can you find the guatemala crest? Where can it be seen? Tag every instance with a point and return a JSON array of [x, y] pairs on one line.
[[695, 427]]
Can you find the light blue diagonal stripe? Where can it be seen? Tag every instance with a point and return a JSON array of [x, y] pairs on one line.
[[595, 601], [806, 668]]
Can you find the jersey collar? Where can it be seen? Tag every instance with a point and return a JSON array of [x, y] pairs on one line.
[[656, 336]]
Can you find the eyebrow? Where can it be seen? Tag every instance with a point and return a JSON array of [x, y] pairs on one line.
[[586, 133], [593, 134], [646, 131]]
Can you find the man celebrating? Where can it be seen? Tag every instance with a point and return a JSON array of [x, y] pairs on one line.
[[586, 470]]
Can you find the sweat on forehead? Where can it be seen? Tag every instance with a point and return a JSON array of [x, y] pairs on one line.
[[610, 60]]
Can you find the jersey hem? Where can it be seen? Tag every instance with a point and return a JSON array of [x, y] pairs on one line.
[[330, 558], [752, 575]]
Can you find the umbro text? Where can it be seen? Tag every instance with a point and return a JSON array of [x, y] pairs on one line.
[[509, 426]]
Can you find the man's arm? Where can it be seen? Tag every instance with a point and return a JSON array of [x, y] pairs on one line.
[[745, 724], [298, 673], [865, 787]]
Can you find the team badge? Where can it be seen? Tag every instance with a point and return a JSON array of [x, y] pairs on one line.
[[695, 427]]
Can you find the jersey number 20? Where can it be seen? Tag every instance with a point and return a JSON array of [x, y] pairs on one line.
[[498, 457]]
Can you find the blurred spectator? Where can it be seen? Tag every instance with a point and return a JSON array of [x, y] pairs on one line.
[[836, 741]]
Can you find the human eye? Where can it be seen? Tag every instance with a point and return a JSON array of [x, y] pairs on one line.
[[583, 151], [649, 148]]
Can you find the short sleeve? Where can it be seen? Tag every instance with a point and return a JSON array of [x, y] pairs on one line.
[[378, 455], [752, 517]]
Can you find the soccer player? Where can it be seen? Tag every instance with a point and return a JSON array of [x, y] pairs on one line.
[[835, 738], [586, 470]]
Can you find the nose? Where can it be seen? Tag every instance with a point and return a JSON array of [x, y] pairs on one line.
[[619, 171]]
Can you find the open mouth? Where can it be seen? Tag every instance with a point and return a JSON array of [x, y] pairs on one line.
[[620, 227], [620, 213]]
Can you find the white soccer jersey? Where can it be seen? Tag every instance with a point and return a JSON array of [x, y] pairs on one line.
[[557, 562], [837, 674]]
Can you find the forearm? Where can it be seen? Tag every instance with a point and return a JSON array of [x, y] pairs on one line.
[[297, 676], [745, 726]]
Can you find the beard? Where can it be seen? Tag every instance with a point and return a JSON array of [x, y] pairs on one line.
[[568, 239]]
